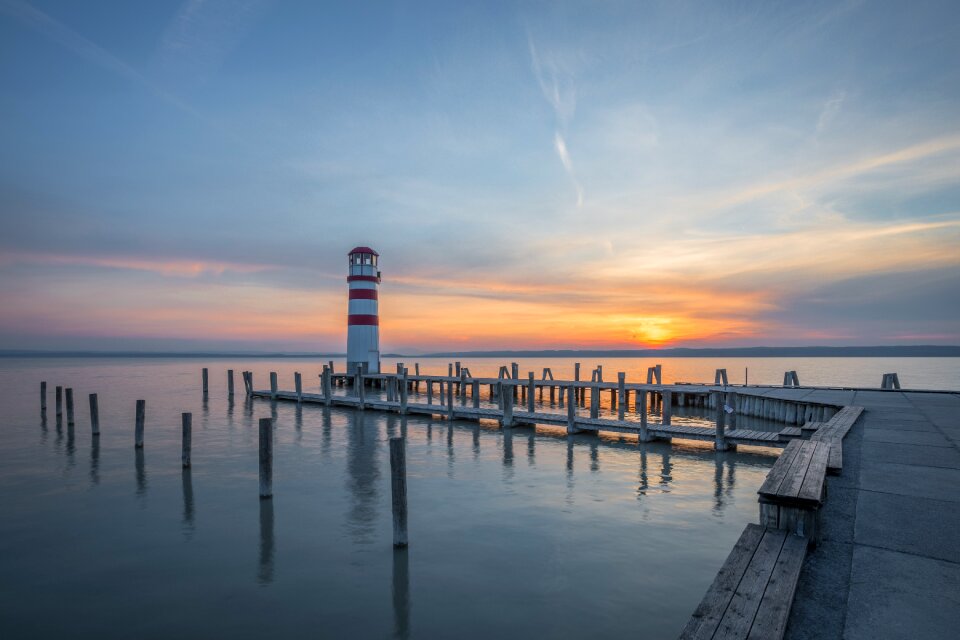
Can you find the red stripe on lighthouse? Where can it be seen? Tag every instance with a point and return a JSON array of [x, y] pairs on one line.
[[363, 294], [363, 319]]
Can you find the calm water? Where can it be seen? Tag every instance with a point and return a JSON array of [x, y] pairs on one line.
[[525, 535]]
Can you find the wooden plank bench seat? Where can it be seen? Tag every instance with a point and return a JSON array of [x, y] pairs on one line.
[[833, 433], [795, 488], [753, 592]]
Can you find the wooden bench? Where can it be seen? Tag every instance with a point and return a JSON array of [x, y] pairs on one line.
[[752, 594], [833, 433], [795, 488]]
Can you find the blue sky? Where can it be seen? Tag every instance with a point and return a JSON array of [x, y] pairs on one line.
[[555, 174]]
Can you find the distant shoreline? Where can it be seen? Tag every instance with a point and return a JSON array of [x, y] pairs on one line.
[[909, 351]]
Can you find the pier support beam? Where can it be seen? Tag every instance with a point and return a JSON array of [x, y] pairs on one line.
[[621, 395], [667, 411], [186, 431], [94, 415], [721, 441], [398, 490], [507, 420], [138, 427], [266, 458]]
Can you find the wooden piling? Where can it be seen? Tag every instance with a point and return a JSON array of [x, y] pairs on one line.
[[186, 420], [721, 441], [43, 396], [69, 407], [429, 391], [475, 393], [531, 400], [463, 385], [621, 395], [398, 486], [273, 385], [206, 387], [641, 405], [94, 415], [138, 429], [298, 384], [594, 401], [404, 391], [59, 400], [449, 400], [576, 378], [326, 384], [229, 383], [358, 387], [266, 458], [507, 398], [571, 410], [666, 411], [732, 403]]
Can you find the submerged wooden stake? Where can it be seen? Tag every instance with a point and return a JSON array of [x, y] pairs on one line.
[[229, 383], [59, 396], [398, 484], [43, 396], [273, 385], [621, 395], [205, 382], [138, 429], [94, 415], [530, 399], [298, 383], [266, 458], [187, 422]]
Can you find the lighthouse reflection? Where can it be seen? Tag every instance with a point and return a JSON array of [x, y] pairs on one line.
[[363, 475]]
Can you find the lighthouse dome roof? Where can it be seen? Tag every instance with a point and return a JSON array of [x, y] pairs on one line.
[[362, 250]]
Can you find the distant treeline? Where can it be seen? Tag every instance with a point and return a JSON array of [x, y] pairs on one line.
[[907, 351]]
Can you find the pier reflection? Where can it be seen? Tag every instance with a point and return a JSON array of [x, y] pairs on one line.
[[450, 455], [401, 594], [666, 471], [95, 460], [71, 445], [141, 469], [363, 476], [325, 432], [644, 480], [594, 454], [186, 481], [265, 571], [532, 448]]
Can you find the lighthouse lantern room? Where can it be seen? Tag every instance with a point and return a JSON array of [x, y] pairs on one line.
[[363, 320]]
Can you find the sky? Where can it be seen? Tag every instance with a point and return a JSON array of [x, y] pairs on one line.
[[535, 175]]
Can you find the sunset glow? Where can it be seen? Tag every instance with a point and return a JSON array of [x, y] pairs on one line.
[[554, 177]]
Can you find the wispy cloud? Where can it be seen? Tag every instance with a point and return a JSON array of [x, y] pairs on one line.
[[87, 49], [830, 110]]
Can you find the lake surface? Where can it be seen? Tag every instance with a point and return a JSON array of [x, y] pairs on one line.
[[516, 534]]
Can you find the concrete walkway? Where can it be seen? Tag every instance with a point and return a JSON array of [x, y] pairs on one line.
[[889, 564]]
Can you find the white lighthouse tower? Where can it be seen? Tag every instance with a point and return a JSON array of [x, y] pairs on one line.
[[363, 321]]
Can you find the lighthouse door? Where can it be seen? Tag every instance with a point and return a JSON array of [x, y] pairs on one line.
[[373, 362]]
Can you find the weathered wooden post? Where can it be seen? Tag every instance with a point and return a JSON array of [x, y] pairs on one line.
[[721, 441], [138, 429], [59, 397], [273, 385], [475, 393], [326, 382], [658, 371], [621, 395], [576, 378], [594, 401], [205, 382], [358, 385], [562, 392], [667, 411], [94, 415], [515, 374], [429, 391], [449, 400], [571, 410], [298, 383], [642, 410], [531, 407], [732, 403], [463, 386], [248, 381], [266, 458], [398, 485], [186, 420], [404, 394], [416, 369], [330, 366], [43, 397], [507, 420], [69, 406], [229, 383]]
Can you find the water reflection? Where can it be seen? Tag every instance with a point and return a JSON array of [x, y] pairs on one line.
[[717, 484], [476, 440], [450, 456], [666, 471], [644, 480], [401, 594], [141, 474], [187, 482], [325, 432], [298, 423], [532, 448], [71, 444], [507, 447], [95, 460], [363, 475], [594, 454], [265, 572]]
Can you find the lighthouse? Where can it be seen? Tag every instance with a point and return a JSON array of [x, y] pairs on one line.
[[363, 321]]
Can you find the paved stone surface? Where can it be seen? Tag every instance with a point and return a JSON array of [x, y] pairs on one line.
[[889, 566]]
